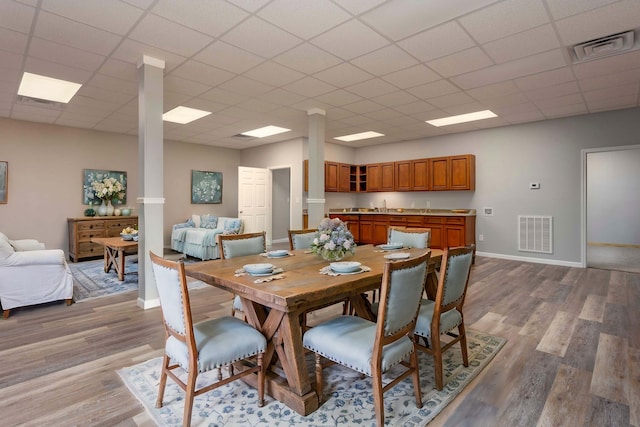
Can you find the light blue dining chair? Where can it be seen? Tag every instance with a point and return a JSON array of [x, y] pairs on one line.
[[445, 313], [203, 346], [410, 237], [301, 239], [372, 348], [236, 245]]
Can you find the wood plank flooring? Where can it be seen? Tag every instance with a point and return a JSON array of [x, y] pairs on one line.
[[572, 357]]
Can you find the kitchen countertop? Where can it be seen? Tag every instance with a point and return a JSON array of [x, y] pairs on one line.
[[402, 211]]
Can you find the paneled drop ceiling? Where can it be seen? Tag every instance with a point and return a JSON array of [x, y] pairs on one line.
[[384, 66]]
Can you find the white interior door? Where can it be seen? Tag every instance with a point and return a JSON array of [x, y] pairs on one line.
[[254, 200]]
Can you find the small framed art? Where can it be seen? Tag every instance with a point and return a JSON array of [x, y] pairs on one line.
[[206, 187]]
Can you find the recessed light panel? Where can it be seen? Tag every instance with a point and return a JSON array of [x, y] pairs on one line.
[[359, 136], [265, 131], [184, 115], [463, 118], [43, 87]]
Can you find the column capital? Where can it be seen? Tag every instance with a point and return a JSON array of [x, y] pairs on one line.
[[150, 60], [313, 111]]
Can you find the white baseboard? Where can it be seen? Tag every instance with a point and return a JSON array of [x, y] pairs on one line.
[[534, 260], [147, 304]]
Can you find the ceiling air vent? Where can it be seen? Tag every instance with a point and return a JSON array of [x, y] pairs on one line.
[[38, 101], [241, 137], [605, 46]]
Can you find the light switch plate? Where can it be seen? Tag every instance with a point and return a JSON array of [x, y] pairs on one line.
[[487, 211]]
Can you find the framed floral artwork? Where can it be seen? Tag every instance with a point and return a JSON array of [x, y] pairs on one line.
[[206, 187], [92, 176], [4, 182]]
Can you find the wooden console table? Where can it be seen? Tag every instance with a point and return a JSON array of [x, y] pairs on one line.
[[82, 230], [115, 249]]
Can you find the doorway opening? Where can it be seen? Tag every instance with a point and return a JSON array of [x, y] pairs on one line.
[[281, 204]]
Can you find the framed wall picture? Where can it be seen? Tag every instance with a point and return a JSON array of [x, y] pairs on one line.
[[93, 175], [206, 187], [4, 182]]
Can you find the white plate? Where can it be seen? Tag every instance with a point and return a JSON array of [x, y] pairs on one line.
[[278, 253], [391, 246], [345, 266], [270, 273], [262, 268], [398, 255]]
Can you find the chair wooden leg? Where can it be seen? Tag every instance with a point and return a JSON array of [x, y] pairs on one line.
[[163, 381], [463, 344], [437, 360], [376, 380], [261, 380], [319, 385], [188, 399], [416, 377]]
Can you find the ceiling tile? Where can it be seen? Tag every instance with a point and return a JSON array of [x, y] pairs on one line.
[[512, 108], [545, 79], [358, 6], [415, 107], [308, 59], [260, 37], [385, 60], [613, 103], [505, 101], [510, 70], [111, 96], [273, 74], [225, 96], [116, 17], [610, 19], [160, 32], [612, 92], [461, 62], [553, 91], [71, 33], [437, 42], [401, 18], [16, 16], [57, 71], [54, 52], [131, 51], [605, 66], [202, 73], [361, 40], [411, 77], [495, 90], [363, 107], [343, 74], [310, 87], [230, 58], [609, 80], [208, 17], [572, 99], [339, 98], [10, 61], [526, 43], [564, 110], [179, 85], [451, 100], [305, 19], [504, 18], [120, 69], [524, 116], [434, 89], [114, 84], [384, 114], [371, 88], [281, 97], [393, 99], [563, 8], [246, 86], [12, 41], [250, 5]]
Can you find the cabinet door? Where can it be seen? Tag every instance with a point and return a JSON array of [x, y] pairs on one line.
[[439, 173], [404, 176], [462, 172], [420, 175], [305, 174], [435, 223], [354, 228], [344, 178], [366, 231], [374, 177], [380, 232], [387, 171], [454, 236], [330, 176]]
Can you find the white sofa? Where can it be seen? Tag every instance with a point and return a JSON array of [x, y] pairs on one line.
[[30, 274], [197, 236]]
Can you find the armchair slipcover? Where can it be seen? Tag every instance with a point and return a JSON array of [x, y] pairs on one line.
[[30, 274]]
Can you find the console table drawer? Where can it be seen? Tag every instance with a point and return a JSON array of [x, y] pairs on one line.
[[86, 236], [88, 249], [90, 225]]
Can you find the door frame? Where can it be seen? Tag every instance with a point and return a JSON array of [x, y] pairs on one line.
[[583, 195], [281, 167]]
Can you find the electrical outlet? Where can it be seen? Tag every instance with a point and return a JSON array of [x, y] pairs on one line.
[[481, 238]]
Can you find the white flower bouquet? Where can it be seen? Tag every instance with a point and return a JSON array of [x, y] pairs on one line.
[[333, 240]]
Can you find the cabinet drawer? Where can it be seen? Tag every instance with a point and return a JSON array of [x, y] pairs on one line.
[[86, 236], [455, 220], [90, 225], [89, 249], [433, 220]]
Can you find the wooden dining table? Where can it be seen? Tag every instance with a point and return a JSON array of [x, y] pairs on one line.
[[301, 289]]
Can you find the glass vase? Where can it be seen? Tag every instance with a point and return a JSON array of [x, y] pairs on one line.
[[102, 209], [333, 256]]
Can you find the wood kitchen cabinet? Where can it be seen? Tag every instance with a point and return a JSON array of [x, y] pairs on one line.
[[380, 177], [404, 176], [439, 174], [82, 230], [338, 177], [412, 175], [347, 178], [331, 170], [452, 173]]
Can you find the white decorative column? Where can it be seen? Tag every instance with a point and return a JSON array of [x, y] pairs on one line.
[[150, 175], [315, 202]]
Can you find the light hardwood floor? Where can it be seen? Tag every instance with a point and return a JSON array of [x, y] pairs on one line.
[[572, 357]]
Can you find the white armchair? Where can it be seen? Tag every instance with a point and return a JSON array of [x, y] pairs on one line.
[[30, 274]]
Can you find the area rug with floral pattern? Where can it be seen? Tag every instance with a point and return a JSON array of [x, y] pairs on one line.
[[348, 397]]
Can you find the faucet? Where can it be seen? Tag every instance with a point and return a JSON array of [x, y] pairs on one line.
[[384, 205]]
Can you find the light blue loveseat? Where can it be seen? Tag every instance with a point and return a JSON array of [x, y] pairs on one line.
[[197, 236]]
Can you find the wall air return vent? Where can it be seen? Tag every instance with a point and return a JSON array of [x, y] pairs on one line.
[[605, 46], [535, 233]]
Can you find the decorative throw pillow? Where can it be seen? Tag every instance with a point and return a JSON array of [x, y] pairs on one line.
[[232, 226], [208, 221], [188, 224]]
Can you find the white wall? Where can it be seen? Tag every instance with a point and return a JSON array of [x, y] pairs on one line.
[[613, 197]]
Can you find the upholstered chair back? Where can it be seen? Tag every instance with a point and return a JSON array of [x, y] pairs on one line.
[[411, 237], [232, 246], [456, 276], [301, 239], [173, 299]]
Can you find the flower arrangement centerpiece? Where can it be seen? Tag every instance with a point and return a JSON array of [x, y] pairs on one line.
[[333, 240], [108, 189]]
